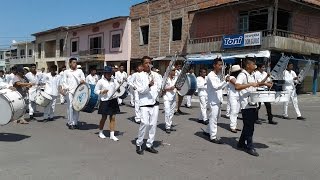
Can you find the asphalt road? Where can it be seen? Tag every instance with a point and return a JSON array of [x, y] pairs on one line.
[[45, 151]]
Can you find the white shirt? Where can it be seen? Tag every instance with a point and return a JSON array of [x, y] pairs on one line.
[[170, 94], [104, 84], [259, 77], [10, 79], [71, 79], [132, 78], [202, 86], [289, 82], [214, 88], [232, 89], [33, 79], [121, 76], [51, 84], [147, 95], [244, 78], [92, 79]]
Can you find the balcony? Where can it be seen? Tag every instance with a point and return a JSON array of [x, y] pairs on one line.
[[92, 54], [282, 41], [50, 54], [19, 60]]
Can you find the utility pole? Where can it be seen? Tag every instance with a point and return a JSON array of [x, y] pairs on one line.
[[275, 19]]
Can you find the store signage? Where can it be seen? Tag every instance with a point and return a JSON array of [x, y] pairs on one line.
[[242, 40]]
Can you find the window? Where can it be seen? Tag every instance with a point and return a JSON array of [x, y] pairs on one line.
[[115, 43], [144, 35], [243, 24], [22, 53], [96, 45], [39, 51], [176, 29], [1, 57], [74, 46], [30, 52], [61, 44]]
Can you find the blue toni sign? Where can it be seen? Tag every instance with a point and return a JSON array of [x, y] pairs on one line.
[[232, 41]]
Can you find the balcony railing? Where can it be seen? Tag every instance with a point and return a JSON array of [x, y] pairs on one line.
[[18, 60]]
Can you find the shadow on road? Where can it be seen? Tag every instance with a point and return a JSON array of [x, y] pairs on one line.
[[85, 126], [9, 137], [155, 143]]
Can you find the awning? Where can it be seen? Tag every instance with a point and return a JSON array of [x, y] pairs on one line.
[[228, 58], [167, 58]]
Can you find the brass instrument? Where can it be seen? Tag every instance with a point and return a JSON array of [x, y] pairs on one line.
[[304, 72], [183, 75], [168, 70]]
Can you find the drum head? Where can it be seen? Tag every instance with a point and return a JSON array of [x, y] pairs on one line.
[[47, 96], [5, 111], [81, 97]]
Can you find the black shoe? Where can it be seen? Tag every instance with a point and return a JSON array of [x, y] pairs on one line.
[[171, 129], [180, 112], [206, 122], [139, 150], [238, 129], [233, 130], [252, 152], [168, 131], [206, 134], [241, 146], [273, 122], [50, 119], [285, 117], [76, 126], [32, 117], [72, 127], [216, 141], [200, 121], [301, 118], [152, 150]]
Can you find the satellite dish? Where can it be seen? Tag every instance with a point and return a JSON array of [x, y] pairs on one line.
[[14, 41]]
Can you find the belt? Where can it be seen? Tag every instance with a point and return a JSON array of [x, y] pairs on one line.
[[151, 105]]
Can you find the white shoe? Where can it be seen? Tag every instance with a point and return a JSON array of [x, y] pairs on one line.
[[114, 138], [101, 135]]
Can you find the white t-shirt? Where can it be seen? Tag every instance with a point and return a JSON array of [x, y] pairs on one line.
[[215, 84], [202, 86], [10, 79], [51, 84], [289, 82], [121, 76], [244, 78], [232, 89], [170, 95], [92, 79], [71, 79], [259, 77], [104, 84]]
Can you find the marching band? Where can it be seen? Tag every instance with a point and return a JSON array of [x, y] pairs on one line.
[[146, 90]]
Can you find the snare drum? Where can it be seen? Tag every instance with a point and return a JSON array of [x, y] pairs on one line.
[[262, 96], [282, 96], [189, 86], [43, 99], [123, 91], [84, 98], [12, 106]]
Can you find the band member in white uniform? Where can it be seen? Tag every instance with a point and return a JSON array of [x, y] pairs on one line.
[[132, 83], [121, 76], [169, 102], [92, 78], [21, 85], [203, 96], [33, 78], [3, 78], [263, 76], [52, 83], [215, 84], [71, 79], [105, 88], [291, 79], [179, 98], [130, 88], [10, 76], [234, 98], [148, 86], [246, 83], [62, 97], [189, 97]]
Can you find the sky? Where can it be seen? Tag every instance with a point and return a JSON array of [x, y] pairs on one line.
[[21, 18]]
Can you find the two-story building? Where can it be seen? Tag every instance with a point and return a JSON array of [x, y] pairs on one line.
[[160, 28], [3, 53], [106, 42], [21, 54]]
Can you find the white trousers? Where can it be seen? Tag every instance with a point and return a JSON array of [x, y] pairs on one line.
[[215, 113], [62, 99], [234, 110], [32, 107], [169, 107], [131, 95], [148, 123], [73, 115], [49, 110], [203, 107], [228, 106], [137, 107], [188, 100], [294, 99]]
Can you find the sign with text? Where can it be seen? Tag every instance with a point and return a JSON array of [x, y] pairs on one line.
[[242, 40]]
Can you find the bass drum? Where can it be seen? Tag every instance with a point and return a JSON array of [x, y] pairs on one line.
[[189, 87], [122, 93], [84, 98], [12, 106]]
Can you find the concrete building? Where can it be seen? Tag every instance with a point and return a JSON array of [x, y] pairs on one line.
[[21, 53], [106, 42], [3, 59], [160, 28]]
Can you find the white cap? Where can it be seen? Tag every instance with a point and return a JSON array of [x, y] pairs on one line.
[[79, 66], [235, 68]]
